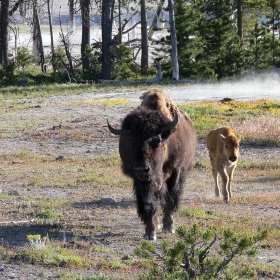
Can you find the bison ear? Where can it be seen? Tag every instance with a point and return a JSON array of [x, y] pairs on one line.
[[238, 137]]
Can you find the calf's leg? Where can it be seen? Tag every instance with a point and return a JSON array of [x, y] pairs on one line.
[[230, 174], [225, 181], [215, 176]]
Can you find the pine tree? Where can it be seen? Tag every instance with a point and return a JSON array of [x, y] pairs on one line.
[[209, 46], [223, 45], [190, 43]]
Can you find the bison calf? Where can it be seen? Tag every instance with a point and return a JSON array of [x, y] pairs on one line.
[[223, 146]]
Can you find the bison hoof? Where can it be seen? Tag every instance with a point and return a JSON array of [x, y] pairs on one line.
[[226, 200], [150, 237], [169, 230]]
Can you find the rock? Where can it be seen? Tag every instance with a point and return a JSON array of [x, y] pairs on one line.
[[108, 200], [59, 158]]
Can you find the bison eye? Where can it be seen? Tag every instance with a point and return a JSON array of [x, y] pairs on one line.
[[154, 143], [226, 146], [165, 134]]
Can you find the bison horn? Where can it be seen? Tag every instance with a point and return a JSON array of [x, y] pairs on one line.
[[170, 125], [117, 131]]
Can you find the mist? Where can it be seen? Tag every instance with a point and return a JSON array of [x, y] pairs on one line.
[[252, 86]]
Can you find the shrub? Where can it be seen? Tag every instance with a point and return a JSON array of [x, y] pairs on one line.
[[24, 58], [197, 254]]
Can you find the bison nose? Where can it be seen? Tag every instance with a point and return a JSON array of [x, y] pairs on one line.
[[142, 172], [232, 158]]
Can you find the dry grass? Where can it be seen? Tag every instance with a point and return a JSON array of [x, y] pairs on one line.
[[27, 169], [264, 130], [85, 206], [257, 121], [60, 188]]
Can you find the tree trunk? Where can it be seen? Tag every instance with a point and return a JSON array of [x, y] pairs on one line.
[[107, 22], [51, 30], [71, 15], [38, 49], [15, 6], [239, 18], [175, 65], [22, 12], [144, 39], [155, 18], [120, 23], [85, 11], [4, 33]]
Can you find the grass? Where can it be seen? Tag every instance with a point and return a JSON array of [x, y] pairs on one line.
[[13, 93], [61, 199], [257, 121], [43, 171], [76, 251]]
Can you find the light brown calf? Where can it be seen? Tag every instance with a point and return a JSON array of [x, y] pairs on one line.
[[223, 146]]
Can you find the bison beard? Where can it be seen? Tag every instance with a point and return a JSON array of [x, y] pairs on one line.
[[156, 153]]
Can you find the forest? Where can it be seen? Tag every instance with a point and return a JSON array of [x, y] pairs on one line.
[[177, 39]]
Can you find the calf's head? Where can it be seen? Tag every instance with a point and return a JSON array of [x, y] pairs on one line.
[[230, 146], [144, 133]]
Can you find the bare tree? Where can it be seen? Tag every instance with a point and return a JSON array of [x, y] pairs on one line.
[[38, 49], [5, 14], [107, 22], [144, 39], [71, 4], [85, 11], [51, 29], [175, 64], [4, 33], [156, 17]]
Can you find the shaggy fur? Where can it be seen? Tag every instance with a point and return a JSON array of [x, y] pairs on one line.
[[157, 162], [155, 99], [223, 146]]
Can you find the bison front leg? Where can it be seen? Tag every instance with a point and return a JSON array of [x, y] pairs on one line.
[[225, 182], [174, 186], [150, 221], [230, 174], [215, 176], [147, 211]]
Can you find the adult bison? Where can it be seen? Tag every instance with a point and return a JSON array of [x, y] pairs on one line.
[[157, 144]]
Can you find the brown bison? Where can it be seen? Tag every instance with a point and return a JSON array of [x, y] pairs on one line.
[[157, 144], [223, 146]]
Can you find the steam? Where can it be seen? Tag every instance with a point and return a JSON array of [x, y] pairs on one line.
[[249, 86]]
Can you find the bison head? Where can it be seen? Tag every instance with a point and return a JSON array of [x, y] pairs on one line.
[[231, 146], [142, 144]]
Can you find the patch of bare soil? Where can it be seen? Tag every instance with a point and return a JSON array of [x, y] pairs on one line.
[[102, 222]]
